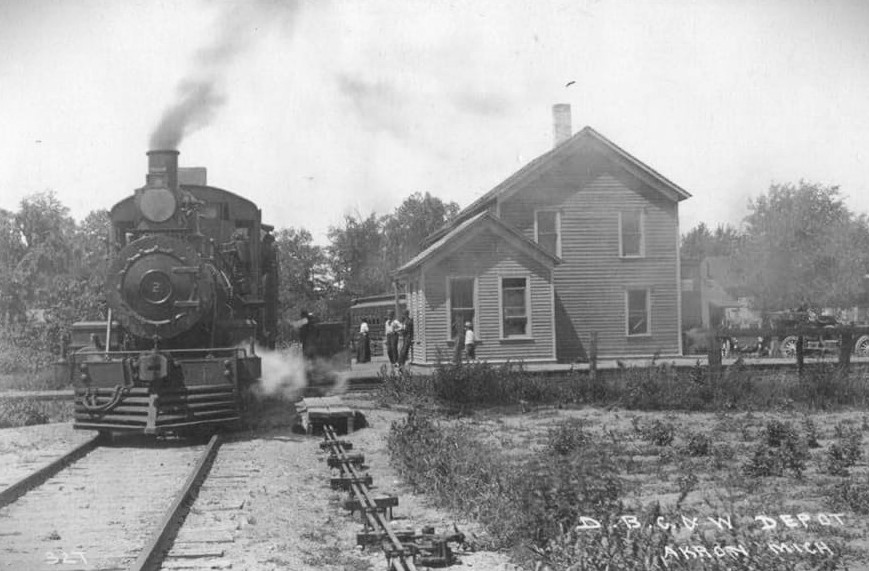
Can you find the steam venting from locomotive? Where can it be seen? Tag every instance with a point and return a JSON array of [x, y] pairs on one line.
[[200, 94]]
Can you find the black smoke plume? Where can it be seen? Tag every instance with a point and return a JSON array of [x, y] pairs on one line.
[[202, 92]]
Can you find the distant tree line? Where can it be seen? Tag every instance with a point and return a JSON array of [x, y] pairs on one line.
[[799, 246], [52, 268]]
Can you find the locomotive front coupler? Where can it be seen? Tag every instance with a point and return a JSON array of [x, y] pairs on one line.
[[153, 365]]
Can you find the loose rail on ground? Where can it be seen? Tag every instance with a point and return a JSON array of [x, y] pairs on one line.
[[402, 548]]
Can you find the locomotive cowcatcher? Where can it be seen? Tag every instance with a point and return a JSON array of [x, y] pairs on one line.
[[191, 288]]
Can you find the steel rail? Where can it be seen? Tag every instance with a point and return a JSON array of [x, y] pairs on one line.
[[374, 517], [35, 479], [154, 550]]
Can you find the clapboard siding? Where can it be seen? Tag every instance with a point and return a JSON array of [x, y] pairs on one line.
[[589, 190], [487, 258]]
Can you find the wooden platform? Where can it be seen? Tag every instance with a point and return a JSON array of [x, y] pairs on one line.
[[317, 411]]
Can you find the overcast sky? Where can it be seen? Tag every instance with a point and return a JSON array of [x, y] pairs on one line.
[[319, 109]]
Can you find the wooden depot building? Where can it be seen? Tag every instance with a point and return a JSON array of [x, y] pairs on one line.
[[582, 240]]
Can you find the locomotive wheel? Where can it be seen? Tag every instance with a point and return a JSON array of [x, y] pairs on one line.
[[861, 347], [789, 346]]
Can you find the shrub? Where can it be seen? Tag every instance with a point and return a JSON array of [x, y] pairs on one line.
[[22, 412], [777, 432], [765, 461], [567, 437], [852, 495], [780, 449], [473, 384], [845, 452], [698, 444], [659, 433], [811, 431], [722, 456], [29, 348]]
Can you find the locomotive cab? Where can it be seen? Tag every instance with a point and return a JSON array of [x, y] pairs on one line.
[[187, 303]]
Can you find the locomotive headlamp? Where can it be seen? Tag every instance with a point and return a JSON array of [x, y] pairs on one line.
[[157, 204]]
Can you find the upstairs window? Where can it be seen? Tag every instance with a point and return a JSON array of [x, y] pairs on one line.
[[631, 239], [461, 292], [514, 307], [637, 312], [547, 227]]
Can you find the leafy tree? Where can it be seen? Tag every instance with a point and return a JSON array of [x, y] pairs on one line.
[[90, 244], [46, 230], [303, 282], [417, 217], [356, 256], [803, 247], [11, 250], [700, 242], [83, 293]]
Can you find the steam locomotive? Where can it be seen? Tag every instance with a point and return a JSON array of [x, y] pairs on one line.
[[191, 290]]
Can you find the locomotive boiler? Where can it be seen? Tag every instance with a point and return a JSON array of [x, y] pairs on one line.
[[191, 289]]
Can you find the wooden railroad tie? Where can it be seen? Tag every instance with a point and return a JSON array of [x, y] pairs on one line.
[[344, 482], [382, 504], [330, 444], [317, 412], [339, 461]]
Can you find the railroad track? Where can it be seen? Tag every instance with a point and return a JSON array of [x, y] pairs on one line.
[[404, 548], [104, 507]]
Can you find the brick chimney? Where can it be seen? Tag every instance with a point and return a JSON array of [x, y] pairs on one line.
[[561, 123]]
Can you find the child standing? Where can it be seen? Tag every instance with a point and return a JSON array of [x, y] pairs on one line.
[[470, 341]]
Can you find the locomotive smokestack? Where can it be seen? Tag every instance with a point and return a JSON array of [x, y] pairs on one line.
[[162, 169]]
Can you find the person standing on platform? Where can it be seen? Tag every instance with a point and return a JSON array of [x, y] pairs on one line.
[[307, 334], [363, 347], [470, 341], [406, 337], [390, 330]]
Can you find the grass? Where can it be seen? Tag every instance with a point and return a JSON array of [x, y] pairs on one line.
[[16, 412], [21, 371], [532, 478], [548, 461], [822, 386]]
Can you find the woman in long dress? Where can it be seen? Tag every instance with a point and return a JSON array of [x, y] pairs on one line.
[[363, 347]]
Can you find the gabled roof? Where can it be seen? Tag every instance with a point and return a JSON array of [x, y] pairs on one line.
[[586, 138], [475, 224]]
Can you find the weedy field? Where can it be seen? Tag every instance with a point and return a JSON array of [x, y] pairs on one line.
[[584, 484]]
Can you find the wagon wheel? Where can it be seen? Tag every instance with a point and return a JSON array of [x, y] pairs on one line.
[[861, 347], [789, 346]]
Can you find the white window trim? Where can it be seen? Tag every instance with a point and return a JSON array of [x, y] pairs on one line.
[[449, 303], [642, 253], [648, 332], [529, 324], [557, 228]]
